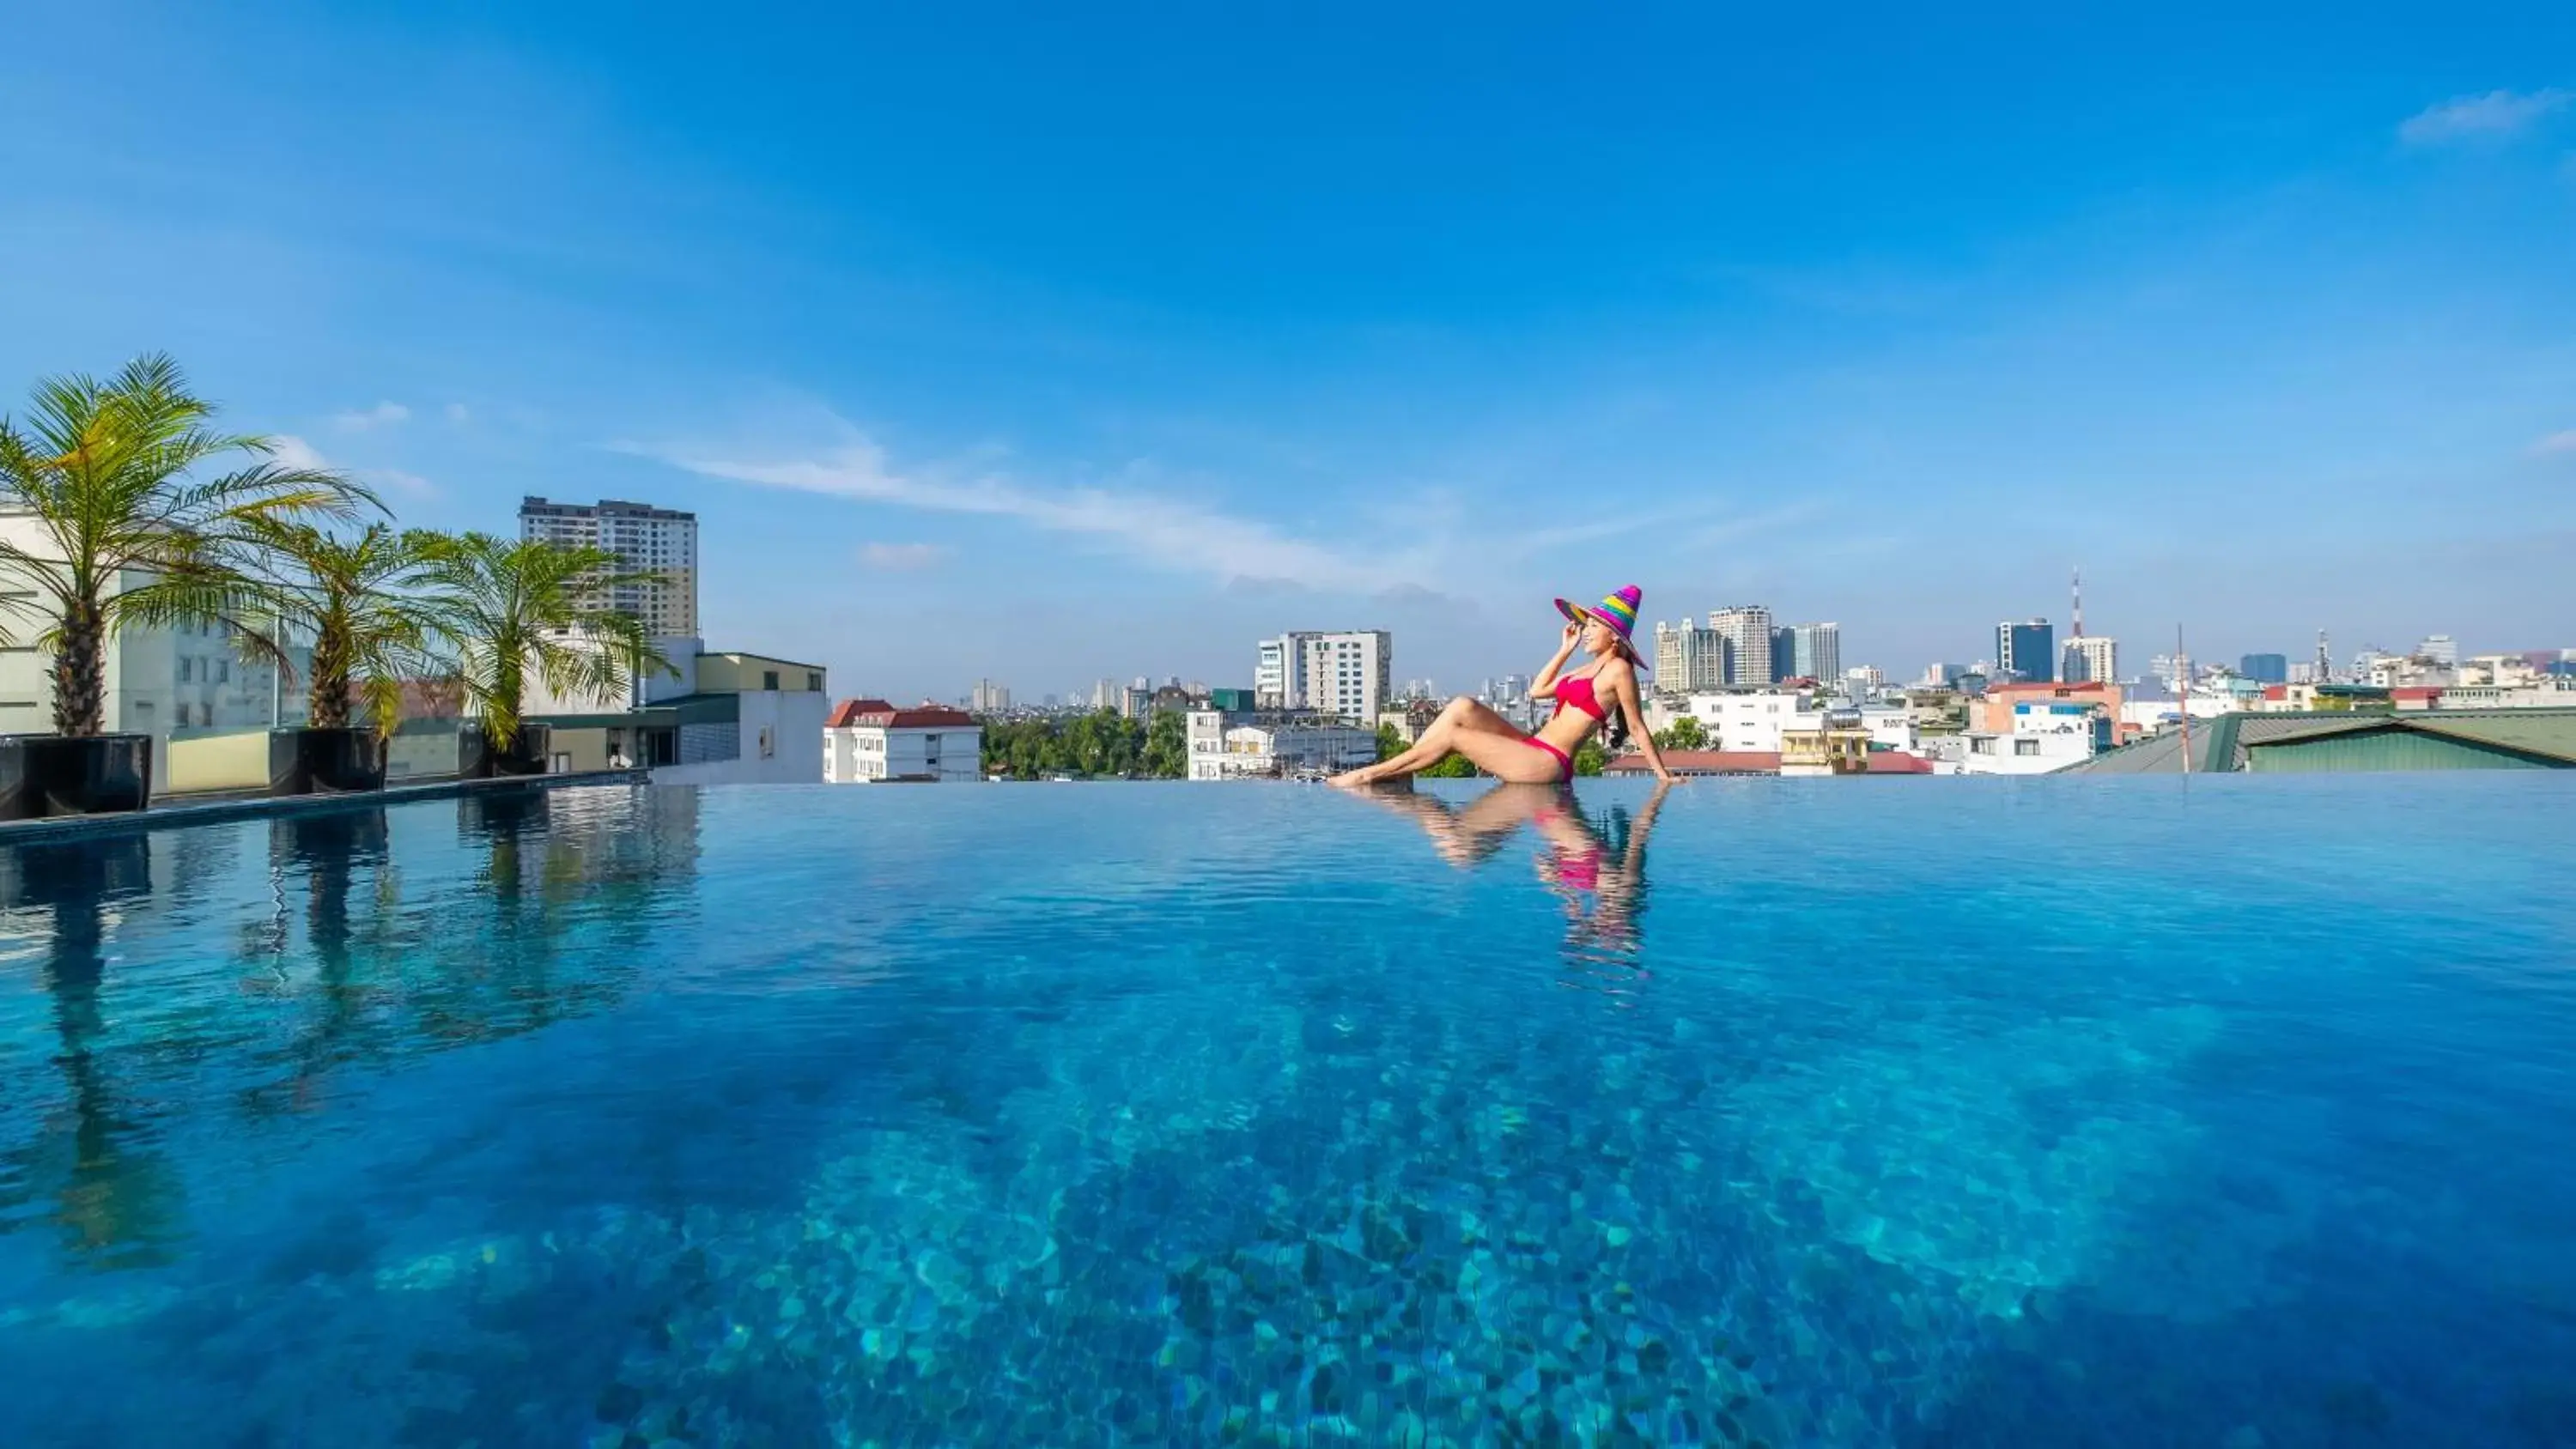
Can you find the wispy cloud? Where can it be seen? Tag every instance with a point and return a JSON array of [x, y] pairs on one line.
[[1138, 513], [2495, 116], [382, 415], [289, 451], [2556, 444], [901, 557], [459, 413], [395, 480]]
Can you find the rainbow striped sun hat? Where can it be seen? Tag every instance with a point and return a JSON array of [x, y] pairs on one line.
[[1619, 611]]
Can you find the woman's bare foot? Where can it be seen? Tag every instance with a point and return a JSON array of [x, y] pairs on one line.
[[1351, 779]]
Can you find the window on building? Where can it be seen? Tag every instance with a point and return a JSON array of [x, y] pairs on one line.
[[814, 680], [769, 679], [2025, 747]]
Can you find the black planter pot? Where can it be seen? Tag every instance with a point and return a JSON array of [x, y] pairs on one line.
[[339, 761], [87, 774], [16, 803], [526, 755]]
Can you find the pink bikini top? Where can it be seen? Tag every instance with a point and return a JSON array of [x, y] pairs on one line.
[[1578, 693]]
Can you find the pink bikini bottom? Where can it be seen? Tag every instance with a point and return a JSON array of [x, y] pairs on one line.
[[1564, 765]]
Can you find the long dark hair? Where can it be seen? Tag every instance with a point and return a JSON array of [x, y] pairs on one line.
[[1614, 728]]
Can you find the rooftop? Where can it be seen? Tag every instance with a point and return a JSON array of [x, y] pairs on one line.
[[2545, 737], [878, 714]]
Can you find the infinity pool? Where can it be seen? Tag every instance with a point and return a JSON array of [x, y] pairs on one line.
[[1779, 1112]]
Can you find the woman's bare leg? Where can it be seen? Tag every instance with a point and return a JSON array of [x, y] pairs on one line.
[[1439, 738], [1505, 754], [1509, 758]]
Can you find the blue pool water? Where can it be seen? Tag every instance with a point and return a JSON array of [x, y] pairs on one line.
[[1792, 1112]]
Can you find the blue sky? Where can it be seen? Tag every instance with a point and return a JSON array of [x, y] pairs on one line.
[[1055, 343]]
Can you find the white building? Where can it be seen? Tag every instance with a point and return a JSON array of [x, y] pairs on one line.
[[2090, 658], [867, 741], [157, 680], [2542, 692], [2046, 735], [1350, 674], [648, 540], [2442, 649], [991, 698], [1746, 630], [1228, 747], [1746, 719], [725, 718]]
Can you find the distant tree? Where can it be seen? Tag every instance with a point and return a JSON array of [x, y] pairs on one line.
[[1589, 757], [1685, 733], [1166, 755], [1456, 767], [1389, 743]]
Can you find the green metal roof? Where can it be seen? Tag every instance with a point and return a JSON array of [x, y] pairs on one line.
[[2227, 743]]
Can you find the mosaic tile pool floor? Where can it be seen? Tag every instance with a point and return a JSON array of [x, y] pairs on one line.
[[1773, 1112]]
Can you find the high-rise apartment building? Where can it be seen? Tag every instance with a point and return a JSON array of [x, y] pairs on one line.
[[2026, 651], [1815, 652], [2265, 668], [990, 698], [1784, 653], [1688, 658], [1350, 673], [2090, 659], [662, 542], [2442, 649], [1746, 630]]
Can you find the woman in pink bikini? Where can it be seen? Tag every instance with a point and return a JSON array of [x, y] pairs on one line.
[[1583, 698]]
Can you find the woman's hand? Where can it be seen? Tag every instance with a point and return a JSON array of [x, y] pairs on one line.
[[1573, 632]]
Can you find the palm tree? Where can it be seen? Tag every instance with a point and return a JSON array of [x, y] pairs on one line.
[[126, 538], [512, 608], [358, 600]]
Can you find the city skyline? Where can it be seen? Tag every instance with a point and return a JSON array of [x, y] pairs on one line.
[[958, 387]]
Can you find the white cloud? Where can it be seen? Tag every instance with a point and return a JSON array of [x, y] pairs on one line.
[[1176, 533], [289, 451], [458, 413], [2556, 443], [395, 480], [2495, 116], [901, 557], [382, 415]]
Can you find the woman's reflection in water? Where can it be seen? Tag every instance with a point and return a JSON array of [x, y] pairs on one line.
[[1597, 871]]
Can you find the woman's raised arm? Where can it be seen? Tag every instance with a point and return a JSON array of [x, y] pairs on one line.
[[1544, 686]]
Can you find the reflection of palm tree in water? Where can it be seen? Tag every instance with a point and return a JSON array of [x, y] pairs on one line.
[[327, 849], [1599, 875], [115, 1201]]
